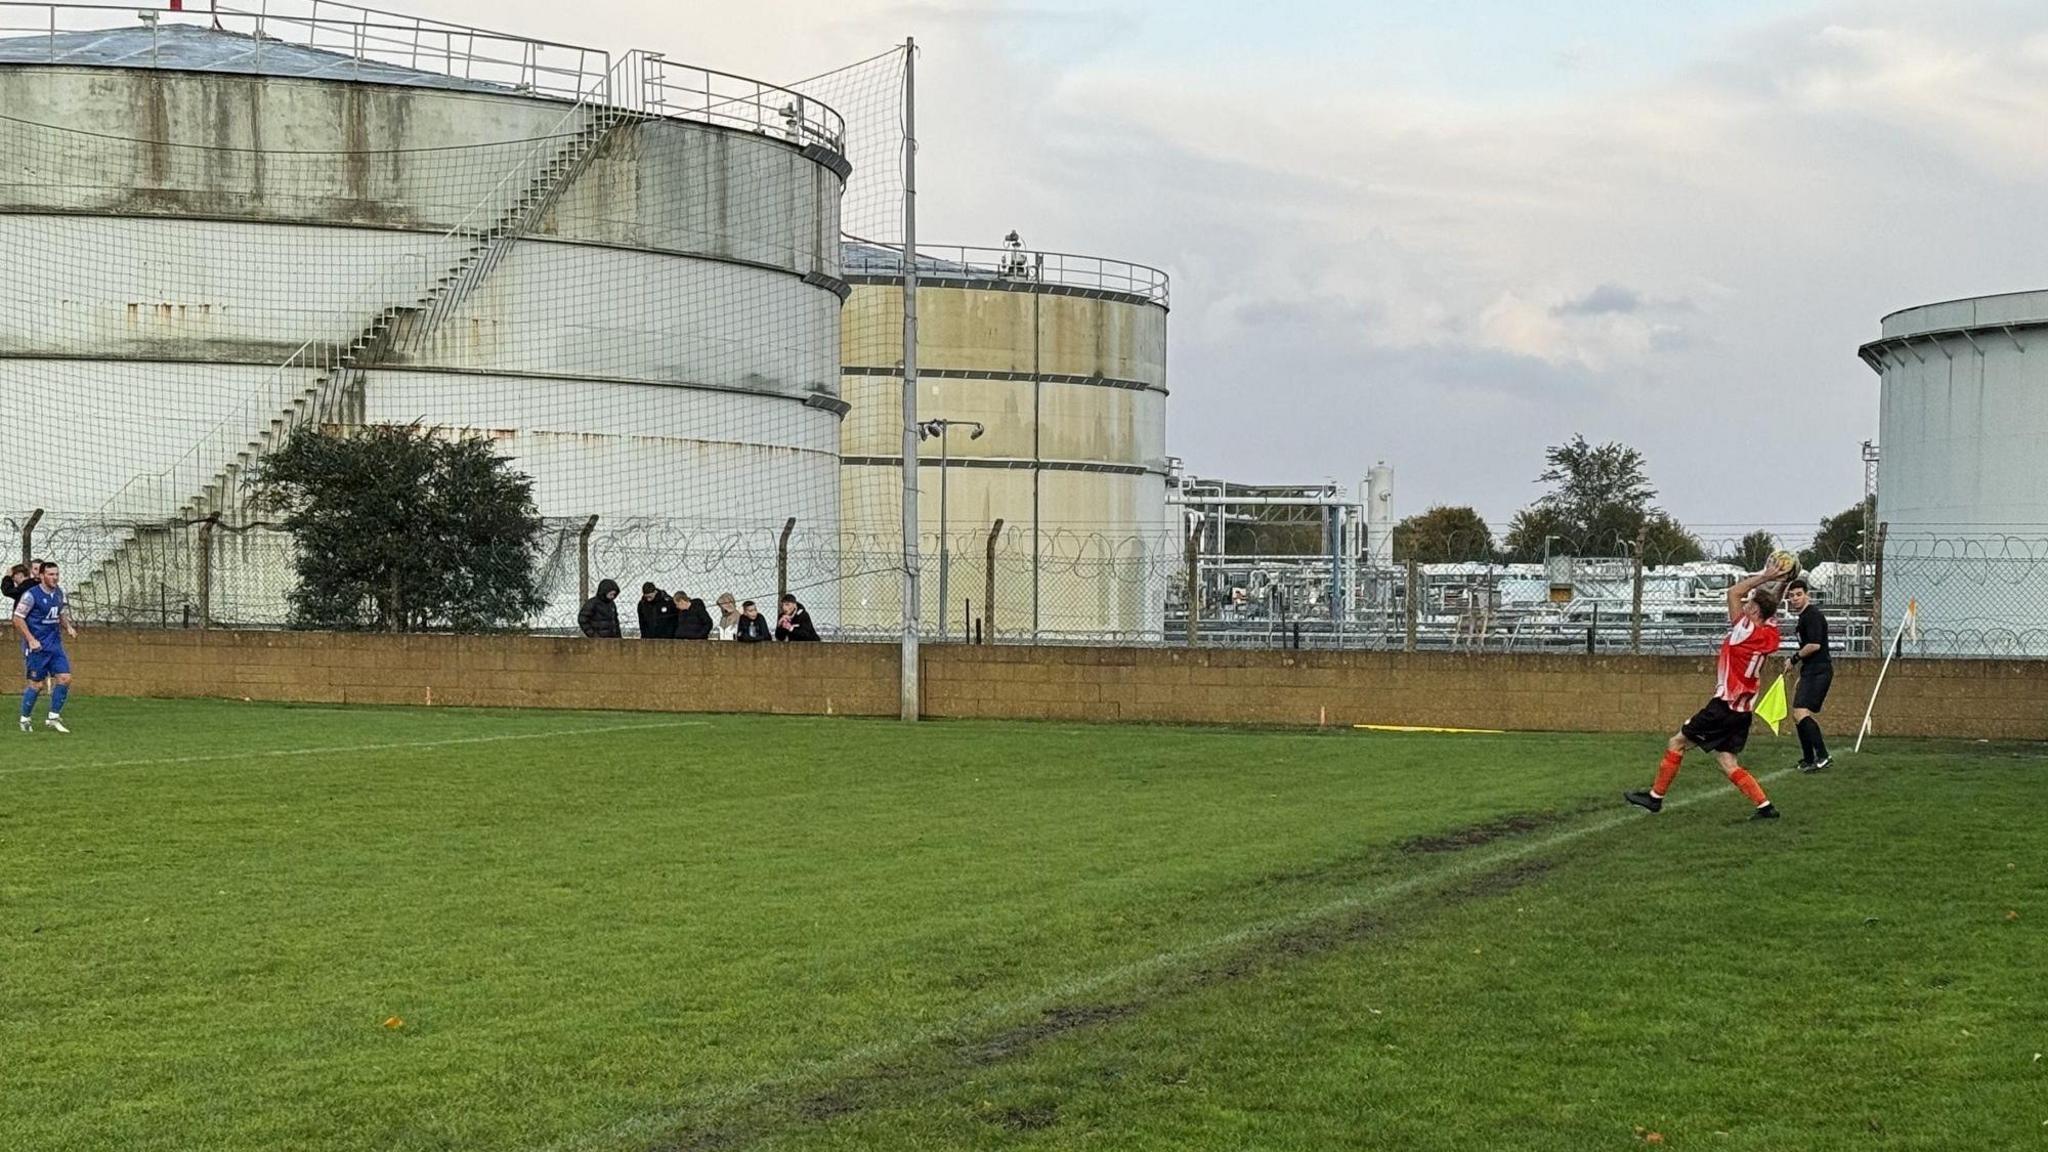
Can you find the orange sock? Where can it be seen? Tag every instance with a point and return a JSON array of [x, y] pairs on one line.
[[1750, 788], [1666, 773]]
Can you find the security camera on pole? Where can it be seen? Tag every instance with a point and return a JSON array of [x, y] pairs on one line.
[[936, 430]]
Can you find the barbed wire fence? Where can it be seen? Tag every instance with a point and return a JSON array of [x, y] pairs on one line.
[[1977, 594]]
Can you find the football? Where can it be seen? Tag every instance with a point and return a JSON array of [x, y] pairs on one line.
[[1787, 564]]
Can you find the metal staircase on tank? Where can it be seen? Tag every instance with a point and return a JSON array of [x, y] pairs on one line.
[[335, 394]]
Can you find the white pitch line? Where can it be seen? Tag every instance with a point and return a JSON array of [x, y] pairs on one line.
[[1046, 998], [337, 748]]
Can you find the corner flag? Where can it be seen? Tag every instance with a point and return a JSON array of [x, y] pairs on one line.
[[1771, 709]]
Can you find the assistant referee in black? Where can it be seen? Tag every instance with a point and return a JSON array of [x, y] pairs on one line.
[[1816, 672]]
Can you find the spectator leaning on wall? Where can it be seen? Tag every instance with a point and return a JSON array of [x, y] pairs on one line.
[[17, 580], [693, 621], [657, 614], [752, 627], [795, 622], [600, 616]]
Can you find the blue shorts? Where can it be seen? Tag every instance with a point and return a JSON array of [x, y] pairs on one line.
[[46, 663]]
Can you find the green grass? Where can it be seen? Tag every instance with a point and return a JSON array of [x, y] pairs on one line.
[[614, 932]]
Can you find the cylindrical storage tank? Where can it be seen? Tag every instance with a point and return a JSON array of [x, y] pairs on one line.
[[1062, 361], [208, 238], [1963, 484], [1379, 516]]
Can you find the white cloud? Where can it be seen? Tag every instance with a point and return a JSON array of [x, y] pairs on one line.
[[1765, 205], [1376, 272]]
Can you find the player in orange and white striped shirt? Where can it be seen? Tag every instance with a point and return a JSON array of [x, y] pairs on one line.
[[1722, 727]]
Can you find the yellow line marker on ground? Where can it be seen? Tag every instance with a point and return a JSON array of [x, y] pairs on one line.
[[1413, 728]]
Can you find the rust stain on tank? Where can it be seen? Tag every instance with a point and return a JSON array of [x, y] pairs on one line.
[[356, 130], [156, 121]]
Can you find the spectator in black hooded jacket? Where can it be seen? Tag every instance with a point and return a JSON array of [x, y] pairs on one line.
[[657, 614], [600, 616], [693, 620], [795, 621]]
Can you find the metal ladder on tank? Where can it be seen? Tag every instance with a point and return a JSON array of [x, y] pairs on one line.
[[335, 395]]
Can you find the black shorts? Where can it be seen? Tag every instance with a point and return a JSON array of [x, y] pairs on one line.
[[1718, 728], [1813, 686]]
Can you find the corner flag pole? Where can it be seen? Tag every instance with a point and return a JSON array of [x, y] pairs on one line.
[[1910, 624]]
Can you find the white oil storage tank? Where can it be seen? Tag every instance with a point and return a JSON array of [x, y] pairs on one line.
[[1962, 488], [1042, 391], [217, 228]]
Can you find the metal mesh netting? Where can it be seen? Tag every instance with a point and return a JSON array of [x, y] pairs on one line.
[[871, 94], [1977, 594], [631, 286]]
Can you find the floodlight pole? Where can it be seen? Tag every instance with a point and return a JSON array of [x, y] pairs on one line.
[[908, 679]]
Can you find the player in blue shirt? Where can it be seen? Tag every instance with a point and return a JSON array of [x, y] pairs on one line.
[[43, 621]]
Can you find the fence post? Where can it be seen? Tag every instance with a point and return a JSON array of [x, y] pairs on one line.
[[1194, 555], [583, 561], [782, 557], [1635, 610], [28, 535], [988, 597], [205, 569], [1410, 607], [1877, 591]]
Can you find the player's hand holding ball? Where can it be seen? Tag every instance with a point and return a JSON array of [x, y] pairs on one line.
[[1779, 570]]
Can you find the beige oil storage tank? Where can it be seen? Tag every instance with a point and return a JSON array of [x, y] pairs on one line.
[[1042, 388]]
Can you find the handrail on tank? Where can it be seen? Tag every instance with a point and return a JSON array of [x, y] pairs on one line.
[[648, 82], [1024, 266], [654, 84], [366, 35]]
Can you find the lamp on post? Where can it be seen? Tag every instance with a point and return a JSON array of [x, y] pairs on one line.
[[936, 430]]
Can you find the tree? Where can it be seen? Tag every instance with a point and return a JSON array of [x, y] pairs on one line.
[[1443, 535], [1839, 538], [1753, 552], [403, 529], [1529, 532], [1665, 541], [1600, 500]]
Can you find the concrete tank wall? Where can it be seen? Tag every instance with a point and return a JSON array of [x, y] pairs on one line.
[[662, 343], [136, 142], [1072, 390], [1963, 483]]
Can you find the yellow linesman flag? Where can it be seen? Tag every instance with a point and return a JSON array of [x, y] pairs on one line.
[[1771, 709]]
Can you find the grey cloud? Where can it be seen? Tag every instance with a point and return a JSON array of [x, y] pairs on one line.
[[1605, 300]]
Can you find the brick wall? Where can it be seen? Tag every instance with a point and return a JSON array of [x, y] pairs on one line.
[[491, 671], [1974, 698]]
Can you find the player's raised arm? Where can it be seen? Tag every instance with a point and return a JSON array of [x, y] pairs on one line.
[[1743, 587]]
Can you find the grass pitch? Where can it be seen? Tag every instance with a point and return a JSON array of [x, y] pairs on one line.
[[235, 926]]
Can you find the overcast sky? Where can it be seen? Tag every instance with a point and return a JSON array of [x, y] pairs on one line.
[[1447, 234]]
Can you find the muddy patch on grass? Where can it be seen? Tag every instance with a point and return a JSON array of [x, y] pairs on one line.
[[710, 1140], [932, 1069], [1050, 1025], [1478, 835], [1029, 1118]]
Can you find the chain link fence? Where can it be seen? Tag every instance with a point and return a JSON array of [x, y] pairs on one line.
[[1976, 594]]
